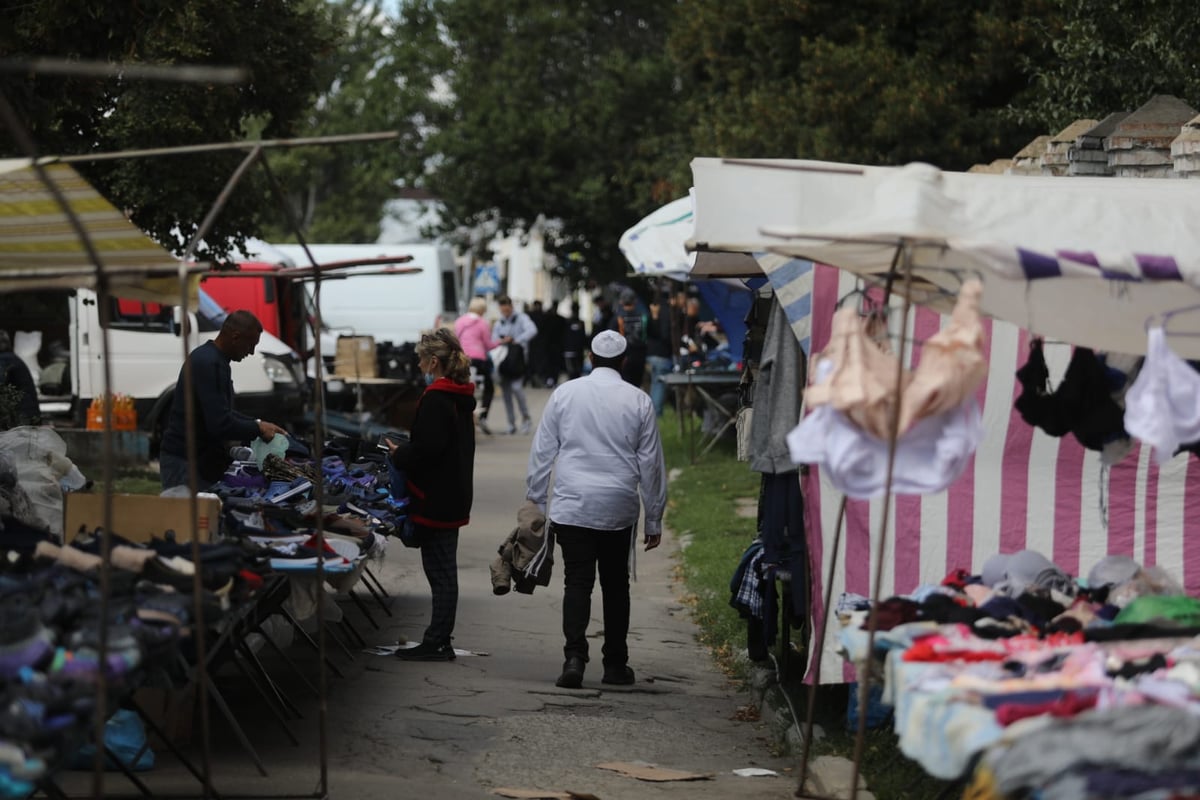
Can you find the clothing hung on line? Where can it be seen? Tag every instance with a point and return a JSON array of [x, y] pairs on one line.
[[755, 598], [1086, 404], [929, 457], [1162, 408], [778, 394], [862, 382], [853, 392]]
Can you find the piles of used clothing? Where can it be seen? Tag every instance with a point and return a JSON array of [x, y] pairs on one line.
[[51, 623], [1053, 685]]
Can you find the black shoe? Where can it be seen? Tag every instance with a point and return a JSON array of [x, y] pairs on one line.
[[618, 676], [572, 674], [426, 651]]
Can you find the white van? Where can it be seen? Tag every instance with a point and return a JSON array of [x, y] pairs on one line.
[[391, 308], [146, 354]]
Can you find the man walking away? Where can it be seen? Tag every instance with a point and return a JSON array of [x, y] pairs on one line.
[[660, 345], [631, 323], [215, 421], [536, 366], [574, 343], [599, 436], [515, 330]]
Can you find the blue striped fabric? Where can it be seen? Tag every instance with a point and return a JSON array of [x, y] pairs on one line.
[[792, 280]]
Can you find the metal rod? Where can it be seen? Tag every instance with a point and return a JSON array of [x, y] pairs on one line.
[[189, 412], [170, 745], [24, 140], [811, 711], [175, 73], [318, 486], [864, 683], [216, 147]]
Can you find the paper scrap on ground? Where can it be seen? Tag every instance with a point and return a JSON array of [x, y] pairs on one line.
[[650, 772], [390, 650], [754, 772], [543, 794]]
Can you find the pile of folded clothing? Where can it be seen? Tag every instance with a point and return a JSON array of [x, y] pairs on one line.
[[53, 618]]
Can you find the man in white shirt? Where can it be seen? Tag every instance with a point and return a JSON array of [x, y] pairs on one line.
[[599, 435]]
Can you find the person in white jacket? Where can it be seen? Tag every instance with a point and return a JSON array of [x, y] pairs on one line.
[[514, 329], [600, 437]]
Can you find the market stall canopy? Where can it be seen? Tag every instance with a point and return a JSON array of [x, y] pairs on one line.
[[40, 248], [656, 246], [1091, 261]]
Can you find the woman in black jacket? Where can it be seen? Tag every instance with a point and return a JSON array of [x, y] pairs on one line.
[[439, 461]]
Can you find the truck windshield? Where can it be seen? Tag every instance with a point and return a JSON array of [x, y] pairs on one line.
[[210, 314]]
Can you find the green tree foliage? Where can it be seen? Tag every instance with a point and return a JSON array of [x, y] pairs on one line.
[[549, 108], [590, 112], [872, 82], [280, 42], [1111, 56], [378, 80]]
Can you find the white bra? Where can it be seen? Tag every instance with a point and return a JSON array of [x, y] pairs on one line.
[[1162, 407]]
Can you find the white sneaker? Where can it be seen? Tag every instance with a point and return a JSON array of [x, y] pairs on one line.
[[527, 427]]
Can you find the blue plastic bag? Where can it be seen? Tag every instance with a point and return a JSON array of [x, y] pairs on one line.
[[125, 738]]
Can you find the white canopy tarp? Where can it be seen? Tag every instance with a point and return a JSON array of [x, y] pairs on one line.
[[39, 247], [1090, 261], [656, 246]]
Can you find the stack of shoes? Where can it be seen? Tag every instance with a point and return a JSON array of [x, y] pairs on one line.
[[51, 632], [347, 492]]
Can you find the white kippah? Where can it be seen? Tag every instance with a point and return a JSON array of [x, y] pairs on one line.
[[608, 344]]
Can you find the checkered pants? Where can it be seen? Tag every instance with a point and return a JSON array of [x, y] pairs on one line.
[[439, 557]]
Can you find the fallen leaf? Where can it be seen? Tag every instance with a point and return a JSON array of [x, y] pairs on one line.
[[747, 714]]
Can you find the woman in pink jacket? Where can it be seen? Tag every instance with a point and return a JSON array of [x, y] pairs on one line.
[[475, 335]]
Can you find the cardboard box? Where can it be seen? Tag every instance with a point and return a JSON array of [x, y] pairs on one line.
[[356, 357], [139, 517]]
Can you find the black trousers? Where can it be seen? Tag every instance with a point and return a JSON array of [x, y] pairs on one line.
[[439, 557], [483, 366], [633, 371], [586, 552]]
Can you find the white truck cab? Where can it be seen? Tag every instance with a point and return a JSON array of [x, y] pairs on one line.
[[145, 356]]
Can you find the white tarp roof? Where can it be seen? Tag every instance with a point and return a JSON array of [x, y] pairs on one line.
[[1091, 261], [656, 246], [39, 247]]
